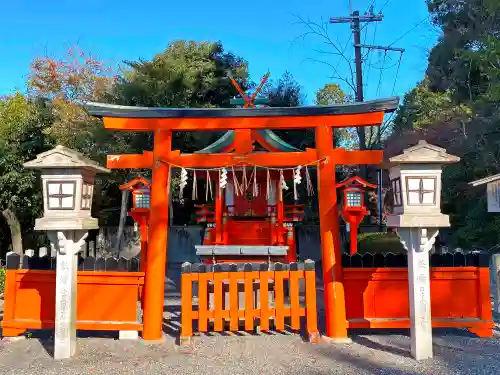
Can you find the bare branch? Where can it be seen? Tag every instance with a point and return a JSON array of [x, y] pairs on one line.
[[321, 30]]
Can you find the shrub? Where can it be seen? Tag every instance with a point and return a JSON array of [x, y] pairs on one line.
[[379, 242]]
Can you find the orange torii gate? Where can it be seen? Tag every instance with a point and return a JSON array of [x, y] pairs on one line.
[[164, 121]]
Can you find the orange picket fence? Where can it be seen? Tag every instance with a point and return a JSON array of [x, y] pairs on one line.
[[248, 296], [377, 297], [107, 294]]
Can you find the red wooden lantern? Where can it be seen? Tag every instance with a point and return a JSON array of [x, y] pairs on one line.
[[141, 193], [353, 207]]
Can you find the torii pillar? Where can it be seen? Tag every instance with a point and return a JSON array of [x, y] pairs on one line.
[[335, 312], [154, 287]]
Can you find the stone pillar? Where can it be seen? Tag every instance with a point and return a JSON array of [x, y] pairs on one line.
[[418, 242], [67, 243], [496, 275]]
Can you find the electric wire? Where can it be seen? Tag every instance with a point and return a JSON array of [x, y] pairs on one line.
[[410, 30]]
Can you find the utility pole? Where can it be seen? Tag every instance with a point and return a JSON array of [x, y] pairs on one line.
[[356, 20]]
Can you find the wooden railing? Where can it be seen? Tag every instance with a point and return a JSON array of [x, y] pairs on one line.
[[252, 293]]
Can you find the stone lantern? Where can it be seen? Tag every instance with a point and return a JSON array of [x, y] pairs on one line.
[[68, 186], [415, 177]]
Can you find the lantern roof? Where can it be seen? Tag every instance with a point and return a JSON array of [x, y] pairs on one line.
[[356, 181], [61, 157], [138, 182], [424, 153]]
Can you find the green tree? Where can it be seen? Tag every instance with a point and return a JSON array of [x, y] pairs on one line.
[[332, 93], [456, 107], [22, 124], [187, 74]]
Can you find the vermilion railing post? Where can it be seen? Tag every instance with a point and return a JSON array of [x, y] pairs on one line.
[[250, 275], [295, 275], [280, 274], [186, 303], [311, 311], [13, 262], [265, 275]]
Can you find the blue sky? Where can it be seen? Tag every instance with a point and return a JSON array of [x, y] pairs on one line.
[[266, 33]]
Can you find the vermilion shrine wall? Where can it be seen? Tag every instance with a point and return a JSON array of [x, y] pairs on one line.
[[107, 294], [376, 289]]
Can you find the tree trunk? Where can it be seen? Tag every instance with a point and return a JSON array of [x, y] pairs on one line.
[[15, 230], [123, 218]]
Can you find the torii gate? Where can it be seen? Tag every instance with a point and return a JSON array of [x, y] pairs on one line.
[[164, 121]]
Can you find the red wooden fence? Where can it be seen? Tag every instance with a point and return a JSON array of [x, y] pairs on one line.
[[222, 282], [106, 299], [460, 297]]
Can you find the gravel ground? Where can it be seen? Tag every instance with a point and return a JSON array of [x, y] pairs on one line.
[[456, 353]]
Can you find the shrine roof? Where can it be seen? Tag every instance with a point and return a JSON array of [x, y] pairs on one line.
[[119, 111]]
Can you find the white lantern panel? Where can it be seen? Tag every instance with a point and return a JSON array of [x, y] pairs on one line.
[[428, 183], [421, 190], [67, 188], [428, 198], [413, 183], [413, 197], [53, 203], [54, 188], [67, 202], [61, 195], [86, 196]]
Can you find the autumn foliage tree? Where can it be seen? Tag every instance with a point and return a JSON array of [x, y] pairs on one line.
[[66, 83]]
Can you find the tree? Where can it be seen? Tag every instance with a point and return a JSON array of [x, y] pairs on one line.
[[66, 83], [22, 124], [186, 74], [456, 107], [287, 92], [424, 109], [332, 93]]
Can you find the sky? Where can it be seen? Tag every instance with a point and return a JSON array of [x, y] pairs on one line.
[[268, 34]]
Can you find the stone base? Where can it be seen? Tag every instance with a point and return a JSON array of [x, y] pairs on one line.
[[128, 335], [185, 340], [13, 338], [421, 220], [336, 340]]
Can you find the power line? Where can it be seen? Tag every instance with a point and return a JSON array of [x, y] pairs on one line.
[[397, 73], [381, 73], [383, 6], [370, 53], [410, 30]]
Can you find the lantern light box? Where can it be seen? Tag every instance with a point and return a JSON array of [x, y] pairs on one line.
[[353, 207], [416, 185], [68, 188], [141, 193]]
